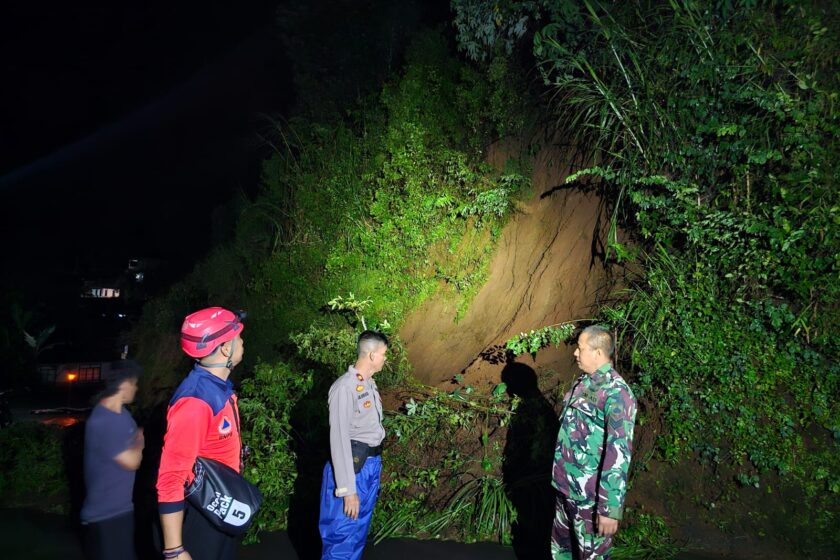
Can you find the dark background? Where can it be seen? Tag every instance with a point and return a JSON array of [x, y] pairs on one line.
[[116, 114], [126, 129]]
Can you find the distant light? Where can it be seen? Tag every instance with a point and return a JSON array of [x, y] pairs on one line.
[[107, 293], [121, 315], [139, 276], [72, 376]]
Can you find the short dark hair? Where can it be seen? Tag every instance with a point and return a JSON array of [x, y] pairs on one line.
[[369, 341], [112, 384], [600, 339]]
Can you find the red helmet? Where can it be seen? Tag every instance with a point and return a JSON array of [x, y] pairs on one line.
[[205, 330]]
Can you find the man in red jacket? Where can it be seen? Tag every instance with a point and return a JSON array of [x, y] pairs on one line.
[[201, 422]]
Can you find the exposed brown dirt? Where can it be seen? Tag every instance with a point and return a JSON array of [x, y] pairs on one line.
[[547, 269]]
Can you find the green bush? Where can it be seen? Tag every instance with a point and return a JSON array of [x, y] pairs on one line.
[[432, 487], [392, 202], [717, 369], [535, 340], [712, 130], [266, 404], [645, 537], [31, 464]]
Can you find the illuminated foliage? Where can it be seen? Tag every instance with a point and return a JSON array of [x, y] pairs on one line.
[[712, 129]]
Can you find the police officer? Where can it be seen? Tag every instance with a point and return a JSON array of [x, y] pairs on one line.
[[350, 483], [592, 457]]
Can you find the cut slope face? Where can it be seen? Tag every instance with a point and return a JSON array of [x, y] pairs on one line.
[[547, 269]]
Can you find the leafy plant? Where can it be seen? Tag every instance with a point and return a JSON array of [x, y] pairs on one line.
[[333, 346], [535, 340], [31, 463], [350, 305], [646, 537], [711, 129], [495, 201], [266, 404], [430, 488], [485, 507]]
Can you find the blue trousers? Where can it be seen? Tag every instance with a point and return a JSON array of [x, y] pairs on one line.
[[342, 537]]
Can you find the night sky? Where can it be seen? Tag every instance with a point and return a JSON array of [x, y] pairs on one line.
[[125, 126], [132, 130]]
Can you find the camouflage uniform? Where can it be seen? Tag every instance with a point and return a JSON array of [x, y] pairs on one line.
[[591, 461]]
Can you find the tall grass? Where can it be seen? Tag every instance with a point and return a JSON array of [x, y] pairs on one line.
[[479, 508]]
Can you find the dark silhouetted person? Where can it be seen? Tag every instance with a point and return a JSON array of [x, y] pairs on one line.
[[527, 463], [350, 483], [113, 451]]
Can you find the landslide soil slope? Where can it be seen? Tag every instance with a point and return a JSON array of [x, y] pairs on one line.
[[547, 268]]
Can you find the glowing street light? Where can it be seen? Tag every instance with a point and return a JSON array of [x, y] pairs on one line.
[[72, 377]]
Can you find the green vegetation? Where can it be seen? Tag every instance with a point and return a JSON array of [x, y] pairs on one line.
[[25, 333], [713, 130], [32, 466], [392, 204], [533, 341], [362, 217], [267, 401], [433, 488], [710, 128], [645, 537]]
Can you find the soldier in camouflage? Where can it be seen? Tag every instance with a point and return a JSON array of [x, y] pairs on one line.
[[592, 456]]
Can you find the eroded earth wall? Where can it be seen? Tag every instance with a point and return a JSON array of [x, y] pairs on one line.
[[547, 268]]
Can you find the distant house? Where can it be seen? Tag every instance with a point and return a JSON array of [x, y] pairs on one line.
[[84, 372]]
